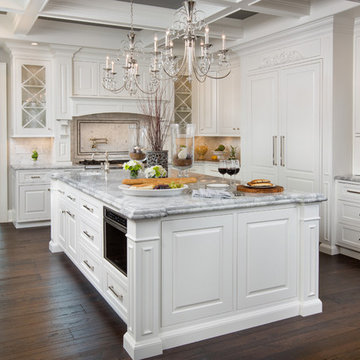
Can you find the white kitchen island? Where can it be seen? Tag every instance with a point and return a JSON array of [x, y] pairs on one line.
[[196, 268]]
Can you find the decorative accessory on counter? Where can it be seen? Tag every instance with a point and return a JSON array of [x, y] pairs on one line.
[[34, 155], [159, 113], [182, 147], [233, 150], [211, 194], [158, 158], [137, 141], [134, 167], [201, 150], [195, 63], [130, 78], [156, 171], [219, 152]]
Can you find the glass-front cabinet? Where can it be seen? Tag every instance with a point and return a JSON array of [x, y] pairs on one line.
[[32, 100]]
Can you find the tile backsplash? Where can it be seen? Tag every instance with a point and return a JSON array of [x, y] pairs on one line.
[[212, 142], [20, 150]]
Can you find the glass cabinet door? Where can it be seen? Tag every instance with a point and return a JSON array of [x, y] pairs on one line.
[[33, 96]]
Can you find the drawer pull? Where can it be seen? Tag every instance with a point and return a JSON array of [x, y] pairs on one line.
[[35, 177], [71, 198], [88, 235], [60, 191], [89, 209], [121, 297], [88, 265], [63, 211], [353, 192], [69, 213], [49, 189]]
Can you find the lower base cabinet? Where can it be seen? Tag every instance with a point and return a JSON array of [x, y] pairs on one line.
[[267, 257]]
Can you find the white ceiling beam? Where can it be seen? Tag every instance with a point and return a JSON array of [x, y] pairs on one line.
[[291, 8], [24, 22], [16, 6]]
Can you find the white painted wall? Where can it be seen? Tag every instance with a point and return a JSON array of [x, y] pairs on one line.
[[3, 145]]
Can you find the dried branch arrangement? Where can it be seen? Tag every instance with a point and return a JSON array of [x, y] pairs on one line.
[[159, 113]]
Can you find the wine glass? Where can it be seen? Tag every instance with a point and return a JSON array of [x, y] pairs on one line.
[[222, 168], [230, 169], [237, 167]]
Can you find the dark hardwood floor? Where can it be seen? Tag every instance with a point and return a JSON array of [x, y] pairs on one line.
[[48, 311]]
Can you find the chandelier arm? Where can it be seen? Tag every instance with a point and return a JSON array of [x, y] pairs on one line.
[[143, 91], [115, 91], [219, 77], [183, 63]]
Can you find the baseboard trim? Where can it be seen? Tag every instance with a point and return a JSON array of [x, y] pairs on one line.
[[31, 224], [348, 252], [55, 248], [329, 249]]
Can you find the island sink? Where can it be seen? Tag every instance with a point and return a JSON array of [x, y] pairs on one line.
[[196, 268]]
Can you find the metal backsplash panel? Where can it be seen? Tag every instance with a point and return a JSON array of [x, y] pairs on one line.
[[97, 133]]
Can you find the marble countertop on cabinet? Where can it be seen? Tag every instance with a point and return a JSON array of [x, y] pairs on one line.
[[44, 166], [353, 178], [106, 189]]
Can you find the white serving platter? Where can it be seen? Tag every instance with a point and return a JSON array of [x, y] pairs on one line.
[[218, 186], [151, 192]]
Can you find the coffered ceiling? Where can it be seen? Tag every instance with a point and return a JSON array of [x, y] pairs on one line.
[[31, 19]]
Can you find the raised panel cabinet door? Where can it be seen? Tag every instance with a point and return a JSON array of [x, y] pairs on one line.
[[34, 202], [206, 107], [262, 151], [197, 268], [267, 257], [71, 233], [61, 224], [300, 111], [86, 78], [228, 100]]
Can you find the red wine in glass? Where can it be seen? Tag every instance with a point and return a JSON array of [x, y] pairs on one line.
[[222, 168], [222, 171], [237, 170], [231, 171]]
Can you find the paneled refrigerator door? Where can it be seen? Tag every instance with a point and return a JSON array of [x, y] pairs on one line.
[[299, 137], [262, 126]]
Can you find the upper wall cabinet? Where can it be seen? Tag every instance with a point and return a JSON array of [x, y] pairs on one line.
[[216, 105], [32, 98]]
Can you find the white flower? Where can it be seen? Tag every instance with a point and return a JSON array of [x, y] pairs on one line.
[[155, 172]]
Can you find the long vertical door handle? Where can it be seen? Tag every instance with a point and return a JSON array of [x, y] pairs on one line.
[[282, 150], [275, 150]]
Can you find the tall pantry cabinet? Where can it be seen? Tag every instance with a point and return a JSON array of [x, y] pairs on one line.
[[295, 100]]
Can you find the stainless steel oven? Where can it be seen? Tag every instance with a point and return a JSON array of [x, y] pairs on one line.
[[115, 241]]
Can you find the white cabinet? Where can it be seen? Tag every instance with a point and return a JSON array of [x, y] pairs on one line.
[[216, 105], [71, 233], [267, 257], [86, 78], [32, 98], [348, 216], [197, 268], [30, 197], [283, 126], [34, 202]]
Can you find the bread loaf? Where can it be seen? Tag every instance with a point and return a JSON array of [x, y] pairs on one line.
[[258, 181], [159, 181]]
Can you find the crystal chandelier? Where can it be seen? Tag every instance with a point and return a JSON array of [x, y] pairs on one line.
[[189, 25], [131, 82]]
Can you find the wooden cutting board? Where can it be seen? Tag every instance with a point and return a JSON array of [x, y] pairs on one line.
[[275, 189]]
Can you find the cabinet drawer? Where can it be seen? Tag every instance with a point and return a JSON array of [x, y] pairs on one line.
[[33, 178], [349, 212], [91, 266], [116, 291], [71, 196], [91, 237], [347, 191], [90, 208], [348, 236]]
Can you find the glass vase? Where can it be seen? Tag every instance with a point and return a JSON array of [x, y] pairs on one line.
[[182, 147], [137, 142]]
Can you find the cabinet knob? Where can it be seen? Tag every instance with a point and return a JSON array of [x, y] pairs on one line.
[[238, 128]]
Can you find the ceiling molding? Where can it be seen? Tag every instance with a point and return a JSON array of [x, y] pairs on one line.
[[293, 8]]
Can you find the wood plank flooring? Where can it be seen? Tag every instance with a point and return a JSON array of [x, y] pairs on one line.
[[48, 311]]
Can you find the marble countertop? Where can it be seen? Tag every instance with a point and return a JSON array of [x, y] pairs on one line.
[[105, 189], [353, 178], [44, 166]]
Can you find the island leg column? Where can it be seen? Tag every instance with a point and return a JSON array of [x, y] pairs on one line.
[[309, 260], [142, 337]]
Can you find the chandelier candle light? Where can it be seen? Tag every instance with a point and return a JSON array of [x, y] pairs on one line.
[[131, 77], [188, 24]]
